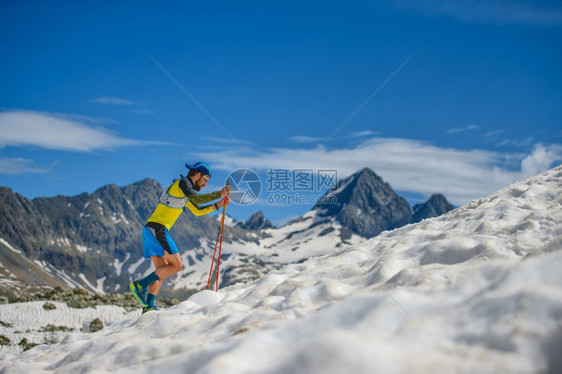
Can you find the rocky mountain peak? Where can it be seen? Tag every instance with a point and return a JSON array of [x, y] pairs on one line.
[[256, 222], [435, 206], [365, 204]]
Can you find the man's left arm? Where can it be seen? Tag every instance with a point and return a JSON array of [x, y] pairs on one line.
[[204, 198], [198, 198], [200, 211]]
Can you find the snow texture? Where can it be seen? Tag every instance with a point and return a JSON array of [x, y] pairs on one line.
[[477, 290]]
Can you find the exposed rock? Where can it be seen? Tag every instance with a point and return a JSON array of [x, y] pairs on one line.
[[434, 207], [49, 306], [256, 222], [95, 325], [26, 345], [365, 204]]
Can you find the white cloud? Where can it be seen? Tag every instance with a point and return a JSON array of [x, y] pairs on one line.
[[494, 133], [541, 159], [363, 134], [462, 129], [407, 165], [87, 119], [529, 12], [212, 139], [515, 143], [17, 166], [306, 139], [45, 130], [114, 101]]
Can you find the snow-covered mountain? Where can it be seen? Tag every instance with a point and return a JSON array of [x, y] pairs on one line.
[[362, 206], [365, 204], [477, 290], [90, 241], [94, 240], [256, 222]]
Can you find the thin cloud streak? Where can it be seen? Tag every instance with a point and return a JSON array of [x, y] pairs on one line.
[[214, 139], [18, 166], [407, 165], [45, 130], [363, 134], [458, 130], [87, 119], [305, 139], [114, 101]]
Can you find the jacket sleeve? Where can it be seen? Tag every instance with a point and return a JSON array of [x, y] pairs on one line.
[[198, 198], [199, 211]]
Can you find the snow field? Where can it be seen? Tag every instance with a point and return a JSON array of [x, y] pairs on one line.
[[477, 290], [28, 320]]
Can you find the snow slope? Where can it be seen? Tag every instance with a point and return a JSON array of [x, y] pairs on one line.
[[242, 261], [32, 322], [477, 290]]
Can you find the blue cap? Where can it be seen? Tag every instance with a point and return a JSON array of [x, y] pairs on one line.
[[200, 166]]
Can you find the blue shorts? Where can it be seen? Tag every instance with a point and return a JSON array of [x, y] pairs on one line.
[[156, 240]]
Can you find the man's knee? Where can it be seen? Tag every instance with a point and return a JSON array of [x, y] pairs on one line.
[[174, 263], [178, 266]]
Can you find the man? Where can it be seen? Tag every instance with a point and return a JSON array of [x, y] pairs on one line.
[[157, 243]]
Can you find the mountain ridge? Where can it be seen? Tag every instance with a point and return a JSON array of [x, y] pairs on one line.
[[367, 205], [94, 241]]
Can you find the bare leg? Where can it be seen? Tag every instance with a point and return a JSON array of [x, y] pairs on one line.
[[155, 286], [165, 266]]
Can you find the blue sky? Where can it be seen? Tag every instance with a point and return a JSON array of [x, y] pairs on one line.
[[457, 97]]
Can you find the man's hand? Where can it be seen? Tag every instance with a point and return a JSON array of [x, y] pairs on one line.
[[223, 202], [226, 190]]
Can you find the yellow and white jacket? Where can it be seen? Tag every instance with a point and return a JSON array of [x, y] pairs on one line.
[[177, 197]]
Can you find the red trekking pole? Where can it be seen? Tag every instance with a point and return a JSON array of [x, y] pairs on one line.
[[219, 245]]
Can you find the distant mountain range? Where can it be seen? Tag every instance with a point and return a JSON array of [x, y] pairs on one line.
[[94, 240]]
